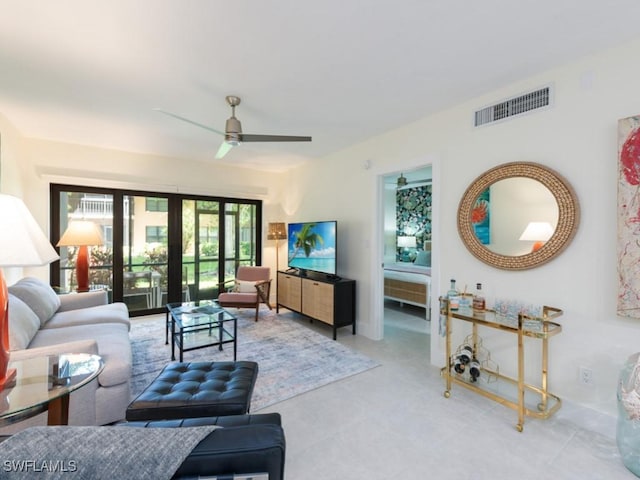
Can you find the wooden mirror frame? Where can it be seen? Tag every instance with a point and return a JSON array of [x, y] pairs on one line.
[[568, 215]]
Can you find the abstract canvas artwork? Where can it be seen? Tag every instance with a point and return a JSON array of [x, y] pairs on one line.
[[629, 217]]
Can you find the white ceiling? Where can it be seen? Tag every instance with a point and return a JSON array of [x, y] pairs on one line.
[[91, 71]]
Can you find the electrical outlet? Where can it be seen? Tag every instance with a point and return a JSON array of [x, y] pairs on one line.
[[586, 376]]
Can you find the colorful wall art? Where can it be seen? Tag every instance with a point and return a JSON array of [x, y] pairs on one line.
[[629, 217]]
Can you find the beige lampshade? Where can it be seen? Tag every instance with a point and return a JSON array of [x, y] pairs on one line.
[[22, 241], [537, 232], [276, 231], [81, 233]]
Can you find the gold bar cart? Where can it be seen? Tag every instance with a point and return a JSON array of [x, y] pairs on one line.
[[542, 328]]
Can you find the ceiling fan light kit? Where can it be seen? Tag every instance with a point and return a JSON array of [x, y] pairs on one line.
[[233, 127], [233, 135], [402, 181]]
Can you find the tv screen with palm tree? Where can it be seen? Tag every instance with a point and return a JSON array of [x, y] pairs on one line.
[[312, 246]]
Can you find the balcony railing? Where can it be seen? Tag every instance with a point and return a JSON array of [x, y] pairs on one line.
[[99, 207]]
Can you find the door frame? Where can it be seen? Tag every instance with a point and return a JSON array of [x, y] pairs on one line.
[[377, 301]]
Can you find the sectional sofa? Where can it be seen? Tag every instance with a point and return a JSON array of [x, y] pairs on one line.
[[44, 323]]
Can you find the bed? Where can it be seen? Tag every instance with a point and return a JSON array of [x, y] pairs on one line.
[[408, 283]]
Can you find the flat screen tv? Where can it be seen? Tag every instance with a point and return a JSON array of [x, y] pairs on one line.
[[312, 246]]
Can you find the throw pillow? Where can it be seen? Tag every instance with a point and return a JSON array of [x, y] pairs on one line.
[[38, 295], [23, 324], [423, 258], [245, 286]]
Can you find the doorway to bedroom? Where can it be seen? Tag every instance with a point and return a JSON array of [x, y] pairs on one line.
[[407, 207]]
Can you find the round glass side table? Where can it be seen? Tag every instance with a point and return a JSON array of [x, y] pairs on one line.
[[43, 384]]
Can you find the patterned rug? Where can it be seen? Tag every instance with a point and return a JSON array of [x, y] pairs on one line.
[[292, 358]]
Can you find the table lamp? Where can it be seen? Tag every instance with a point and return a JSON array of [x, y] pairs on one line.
[[404, 243], [22, 244], [81, 234], [277, 231], [538, 232]]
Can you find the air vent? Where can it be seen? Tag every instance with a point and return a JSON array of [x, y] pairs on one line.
[[514, 106]]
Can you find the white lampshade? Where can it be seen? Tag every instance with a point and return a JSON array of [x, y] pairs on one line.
[[537, 232], [407, 242], [22, 242], [80, 233]]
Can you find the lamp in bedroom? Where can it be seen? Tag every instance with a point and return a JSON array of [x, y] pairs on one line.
[[537, 232], [22, 244], [81, 234], [404, 244]]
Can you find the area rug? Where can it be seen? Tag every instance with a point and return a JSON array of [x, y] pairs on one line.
[[292, 358]]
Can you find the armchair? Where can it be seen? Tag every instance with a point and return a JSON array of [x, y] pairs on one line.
[[252, 286]]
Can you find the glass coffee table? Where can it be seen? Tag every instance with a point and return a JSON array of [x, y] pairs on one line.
[[199, 324], [43, 384]]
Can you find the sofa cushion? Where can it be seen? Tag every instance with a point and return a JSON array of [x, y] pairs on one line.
[[109, 313], [23, 324], [238, 298], [75, 301], [113, 346], [38, 295]]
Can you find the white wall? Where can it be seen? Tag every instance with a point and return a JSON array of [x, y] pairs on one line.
[[577, 138], [12, 154]]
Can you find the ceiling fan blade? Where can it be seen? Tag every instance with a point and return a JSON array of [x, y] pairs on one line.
[[189, 121], [247, 137], [225, 147], [416, 184]]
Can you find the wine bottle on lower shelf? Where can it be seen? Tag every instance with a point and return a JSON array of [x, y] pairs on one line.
[[458, 366], [474, 369], [466, 354]]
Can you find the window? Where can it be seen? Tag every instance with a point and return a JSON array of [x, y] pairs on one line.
[[155, 234], [156, 204]]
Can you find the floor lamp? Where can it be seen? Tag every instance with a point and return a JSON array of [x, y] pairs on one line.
[[22, 244], [81, 234], [277, 231]]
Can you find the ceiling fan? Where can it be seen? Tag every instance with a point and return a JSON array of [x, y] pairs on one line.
[[233, 135], [403, 184]]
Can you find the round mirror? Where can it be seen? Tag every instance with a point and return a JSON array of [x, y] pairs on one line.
[[518, 215]]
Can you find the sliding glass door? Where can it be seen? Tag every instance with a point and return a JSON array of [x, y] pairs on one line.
[[201, 247], [158, 247], [144, 251]]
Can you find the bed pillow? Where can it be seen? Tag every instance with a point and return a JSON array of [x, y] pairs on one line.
[[423, 258], [23, 324]]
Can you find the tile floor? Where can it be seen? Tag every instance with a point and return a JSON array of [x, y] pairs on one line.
[[393, 422]]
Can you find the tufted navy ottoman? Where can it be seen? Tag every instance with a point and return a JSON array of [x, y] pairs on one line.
[[196, 389]]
